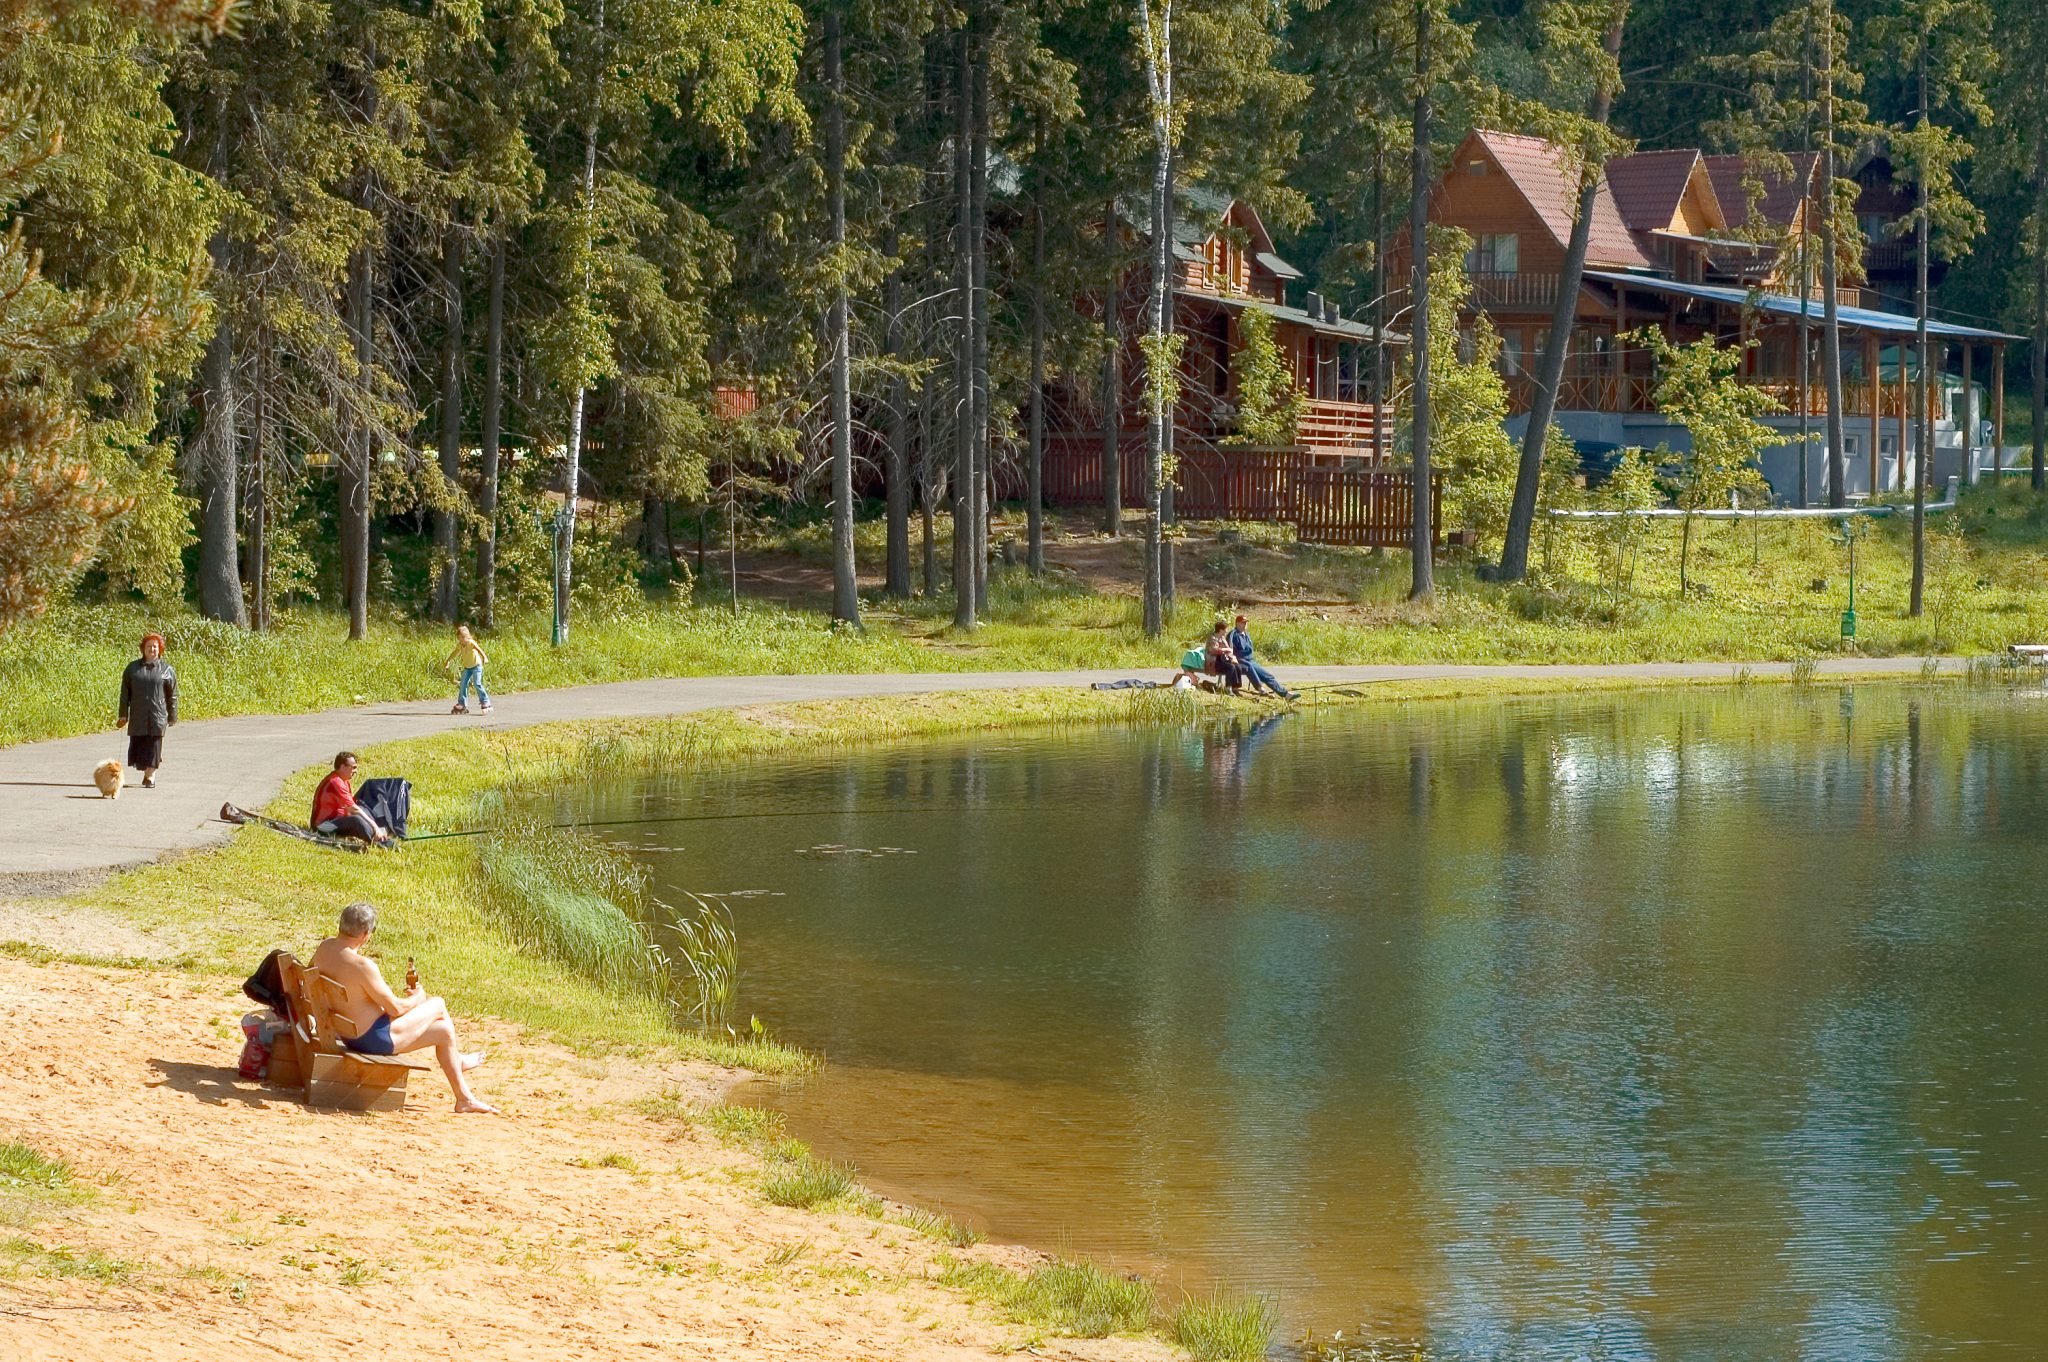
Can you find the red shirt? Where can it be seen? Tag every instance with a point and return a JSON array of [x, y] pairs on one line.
[[333, 799]]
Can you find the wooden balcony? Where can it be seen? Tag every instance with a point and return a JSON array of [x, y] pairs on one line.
[[1513, 292]]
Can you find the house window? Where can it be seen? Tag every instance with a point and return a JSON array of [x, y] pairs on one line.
[[1494, 253]]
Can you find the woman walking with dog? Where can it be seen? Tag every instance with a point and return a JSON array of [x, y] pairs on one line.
[[149, 705]]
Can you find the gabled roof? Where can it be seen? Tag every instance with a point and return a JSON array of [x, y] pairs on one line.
[[1649, 185], [1199, 213], [1536, 170], [1781, 196]]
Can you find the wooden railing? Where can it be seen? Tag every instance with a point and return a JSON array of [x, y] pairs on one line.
[[1329, 498], [1348, 426], [1590, 392], [1513, 292]]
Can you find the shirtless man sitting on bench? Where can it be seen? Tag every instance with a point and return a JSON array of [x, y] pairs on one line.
[[386, 1023]]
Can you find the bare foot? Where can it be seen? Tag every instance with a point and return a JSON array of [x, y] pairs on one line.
[[477, 1105], [472, 1060]]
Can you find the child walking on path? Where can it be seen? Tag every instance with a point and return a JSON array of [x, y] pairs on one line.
[[469, 655]]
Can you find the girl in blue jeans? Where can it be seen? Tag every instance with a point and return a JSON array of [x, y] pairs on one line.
[[469, 655]]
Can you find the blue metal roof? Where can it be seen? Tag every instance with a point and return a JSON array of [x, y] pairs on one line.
[[1862, 318]]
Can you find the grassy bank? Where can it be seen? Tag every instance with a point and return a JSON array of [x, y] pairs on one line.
[[1761, 592]]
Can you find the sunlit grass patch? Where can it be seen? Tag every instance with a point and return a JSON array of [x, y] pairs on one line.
[[1078, 1299], [23, 1256], [1224, 1328], [27, 1171], [796, 1177], [940, 1226], [33, 1184]]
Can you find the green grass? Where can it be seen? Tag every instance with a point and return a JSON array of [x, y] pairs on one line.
[[25, 1256], [1073, 1298], [34, 1185], [28, 1172], [796, 1177], [940, 1226], [1772, 591], [1224, 1328]]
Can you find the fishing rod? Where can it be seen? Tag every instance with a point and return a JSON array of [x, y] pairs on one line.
[[677, 818]]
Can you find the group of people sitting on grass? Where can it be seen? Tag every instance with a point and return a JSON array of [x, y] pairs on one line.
[[1226, 660]]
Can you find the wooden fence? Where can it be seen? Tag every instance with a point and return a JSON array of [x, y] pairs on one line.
[[1328, 500]]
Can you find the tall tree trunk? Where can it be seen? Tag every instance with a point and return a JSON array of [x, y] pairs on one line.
[[256, 574], [964, 509], [220, 581], [1514, 553], [1034, 472], [359, 467], [845, 591], [1159, 321], [927, 494], [1805, 373], [572, 472], [1379, 295], [657, 548], [1422, 538], [896, 489], [984, 467], [1167, 585], [1112, 382], [447, 592], [1830, 294], [1923, 456], [2039, 357], [493, 419]]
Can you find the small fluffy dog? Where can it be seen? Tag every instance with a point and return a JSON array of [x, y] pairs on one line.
[[109, 777]]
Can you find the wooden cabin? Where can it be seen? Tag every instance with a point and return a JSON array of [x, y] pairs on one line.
[[1668, 249], [1229, 268]]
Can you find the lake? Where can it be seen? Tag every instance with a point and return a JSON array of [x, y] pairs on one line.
[[1700, 1024]]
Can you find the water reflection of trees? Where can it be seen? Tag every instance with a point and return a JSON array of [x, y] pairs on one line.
[[1614, 1026]]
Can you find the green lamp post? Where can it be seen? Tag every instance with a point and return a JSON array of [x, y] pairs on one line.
[[1851, 532]]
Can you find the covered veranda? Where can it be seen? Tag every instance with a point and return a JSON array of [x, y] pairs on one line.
[[1880, 401]]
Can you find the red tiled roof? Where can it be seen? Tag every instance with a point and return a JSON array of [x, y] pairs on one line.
[[1648, 186], [1781, 192], [1537, 172]]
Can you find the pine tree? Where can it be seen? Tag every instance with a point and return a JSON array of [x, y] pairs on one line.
[[1945, 46], [100, 301], [1586, 41], [2019, 149], [1803, 98]]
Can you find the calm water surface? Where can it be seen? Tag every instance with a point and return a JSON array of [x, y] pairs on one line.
[[1681, 1026]]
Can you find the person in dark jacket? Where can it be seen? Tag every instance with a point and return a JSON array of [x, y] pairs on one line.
[[1261, 679], [149, 706]]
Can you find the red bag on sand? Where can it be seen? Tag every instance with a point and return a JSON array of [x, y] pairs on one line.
[[255, 1054]]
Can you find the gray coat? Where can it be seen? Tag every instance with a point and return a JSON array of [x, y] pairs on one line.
[[149, 697]]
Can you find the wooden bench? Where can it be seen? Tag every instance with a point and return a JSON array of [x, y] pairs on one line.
[[313, 1057]]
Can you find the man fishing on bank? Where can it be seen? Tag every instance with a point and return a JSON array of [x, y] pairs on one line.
[[1241, 646]]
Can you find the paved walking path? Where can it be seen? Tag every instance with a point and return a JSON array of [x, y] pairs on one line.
[[54, 824]]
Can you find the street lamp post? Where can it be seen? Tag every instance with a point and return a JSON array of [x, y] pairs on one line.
[[1851, 532]]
